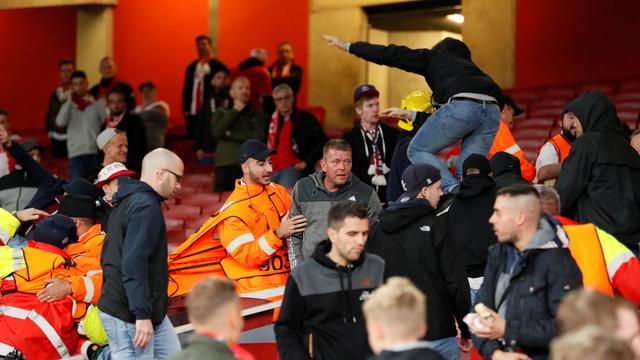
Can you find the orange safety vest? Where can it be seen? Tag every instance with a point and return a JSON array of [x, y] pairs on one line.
[[504, 141], [586, 250], [562, 146], [89, 244], [246, 250], [43, 261]]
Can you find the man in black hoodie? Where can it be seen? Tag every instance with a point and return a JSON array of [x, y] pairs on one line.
[[469, 218], [600, 179], [133, 303], [413, 241], [321, 314], [469, 100], [506, 170]]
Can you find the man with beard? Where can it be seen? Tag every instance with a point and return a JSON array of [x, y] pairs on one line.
[[555, 150], [600, 179], [254, 226]]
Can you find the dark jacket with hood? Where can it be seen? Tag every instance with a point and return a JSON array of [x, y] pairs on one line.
[[447, 67], [323, 300], [187, 91], [133, 125], [311, 199], [134, 256], [506, 169], [526, 289], [469, 221], [413, 242], [420, 350], [600, 179]]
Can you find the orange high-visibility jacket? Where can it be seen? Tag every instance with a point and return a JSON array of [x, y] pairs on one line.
[[89, 244], [504, 141], [606, 264], [247, 251], [39, 262]]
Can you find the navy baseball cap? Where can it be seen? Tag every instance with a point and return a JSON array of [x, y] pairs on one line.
[[254, 149], [80, 186], [415, 177], [53, 231], [364, 90]]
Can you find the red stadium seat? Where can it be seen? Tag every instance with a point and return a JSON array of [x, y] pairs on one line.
[[629, 85], [183, 211], [198, 180], [174, 224], [627, 96], [606, 87], [630, 118], [531, 134], [224, 195], [628, 106], [548, 103], [561, 92], [524, 95], [204, 200], [546, 112], [534, 123]]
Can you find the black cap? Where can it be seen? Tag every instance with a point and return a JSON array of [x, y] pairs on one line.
[[517, 110], [254, 149], [30, 144], [506, 170], [53, 230], [80, 186], [476, 161], [78, 206], [415, 177]]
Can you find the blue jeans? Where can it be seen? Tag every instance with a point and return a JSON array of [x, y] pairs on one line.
[[286, 177], [474, 123], [447, 347], [80, 165], [121, 333]]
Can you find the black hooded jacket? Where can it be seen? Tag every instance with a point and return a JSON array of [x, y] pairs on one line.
[[447, 67], [134, 256], [321, 312], [506, 169], [469, 220], [413, 242], [600, 179]]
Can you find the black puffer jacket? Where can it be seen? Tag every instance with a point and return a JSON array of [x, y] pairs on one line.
[[413, 242], [134, 256], [542, 275], [600, 179]]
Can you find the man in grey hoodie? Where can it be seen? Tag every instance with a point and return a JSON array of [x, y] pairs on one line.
[[314, 195]]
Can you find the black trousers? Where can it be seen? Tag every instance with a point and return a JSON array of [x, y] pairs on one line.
[[226, 177]]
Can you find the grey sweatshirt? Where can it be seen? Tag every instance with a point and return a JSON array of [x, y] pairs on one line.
[[311, 199], [83, 127]]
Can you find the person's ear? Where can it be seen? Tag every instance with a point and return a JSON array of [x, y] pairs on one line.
[[332, 233]]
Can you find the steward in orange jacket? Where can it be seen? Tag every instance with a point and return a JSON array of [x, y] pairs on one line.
[[43, 329], [253, 225]]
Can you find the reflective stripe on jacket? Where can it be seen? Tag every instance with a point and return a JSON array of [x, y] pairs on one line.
[[607, 265], [247, 251], [504, 141]]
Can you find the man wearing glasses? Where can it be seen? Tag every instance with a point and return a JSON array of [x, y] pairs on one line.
[[314, 195], [296, 136], [133, 303]]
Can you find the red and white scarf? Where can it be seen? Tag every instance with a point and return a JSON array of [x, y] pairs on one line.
[[377, 166], [82, 102], [112, 121], [279, 70], [274, 125]]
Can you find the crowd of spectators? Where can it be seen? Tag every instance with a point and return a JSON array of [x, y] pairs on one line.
[[371, 243]]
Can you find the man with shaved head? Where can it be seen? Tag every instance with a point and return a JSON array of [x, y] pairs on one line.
[[232, 127], [133, 304], [528, 273]]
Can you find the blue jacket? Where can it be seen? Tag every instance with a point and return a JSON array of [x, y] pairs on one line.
[[542, 274]]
